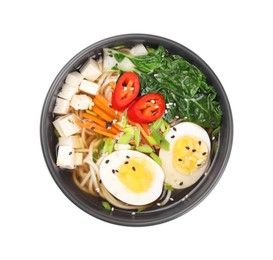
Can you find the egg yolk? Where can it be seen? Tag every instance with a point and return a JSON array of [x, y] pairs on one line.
[[189, 154], [137, 174]]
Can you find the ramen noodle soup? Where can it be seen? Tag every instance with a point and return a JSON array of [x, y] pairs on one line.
[[135, 126]]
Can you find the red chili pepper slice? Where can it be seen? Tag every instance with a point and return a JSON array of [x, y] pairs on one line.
[[147, 108], [126, 91]]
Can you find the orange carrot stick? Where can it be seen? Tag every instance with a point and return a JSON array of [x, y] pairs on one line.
[[106, 109], [98, 129], [79, 122], [106, 103], [118, 127], [95, 119], [101, 113], [146, 128]]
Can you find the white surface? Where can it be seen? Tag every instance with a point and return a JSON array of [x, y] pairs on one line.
[[233, 222]]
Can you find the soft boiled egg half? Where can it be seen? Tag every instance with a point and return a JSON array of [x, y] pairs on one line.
[[188, 156], [132, 177]]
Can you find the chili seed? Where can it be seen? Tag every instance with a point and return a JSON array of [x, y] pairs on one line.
[[173, 136], [181, 183], [127, 156], [107, 161], [113, 171], [174, 128], [70, 153]]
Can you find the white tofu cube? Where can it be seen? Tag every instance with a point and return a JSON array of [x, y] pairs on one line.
[[66, 125], [126, 65], [67, 92], [61, 106], [78, 158], [89, 87], [73, 140], [90, 70], [81, 102], [139, 50], [74, 79], [66, 157]]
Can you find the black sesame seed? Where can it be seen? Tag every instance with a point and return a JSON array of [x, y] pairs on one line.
[[173, 136], [199, 164], [109, 124], [70, 153], [134, 168], [204, 153], [187, 147], [126, 162], [100, 181], [117, 170], [179, 159], [193, 150], [199, 142], [174, 128], [111, 55], [181, 183], [127, 156], [113, 171], [92, 128], [107, 161]]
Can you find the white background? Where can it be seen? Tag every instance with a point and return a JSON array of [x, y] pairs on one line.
[[39, 37]]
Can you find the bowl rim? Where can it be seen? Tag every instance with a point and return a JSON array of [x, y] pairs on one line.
[[108, 218]]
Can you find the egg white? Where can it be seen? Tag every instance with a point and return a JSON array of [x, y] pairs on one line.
[[178, 180], [112, 183]]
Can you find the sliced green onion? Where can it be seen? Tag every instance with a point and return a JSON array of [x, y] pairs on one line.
[[168, 187], [120, 147], [100, 146], [157, 136], [57, 133], [137, 136], [160, 139], [145, 149], [106, 205], [125, 139], [125, 120], [167, 129], [95, 156], [108, 145], [156, 158], [129, 130], [151, 140], [165, 145], [157, 124]]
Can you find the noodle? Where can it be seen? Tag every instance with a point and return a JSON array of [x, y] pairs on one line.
[[84, 181]]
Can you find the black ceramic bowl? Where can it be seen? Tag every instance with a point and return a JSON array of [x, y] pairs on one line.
[[188, 198]]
